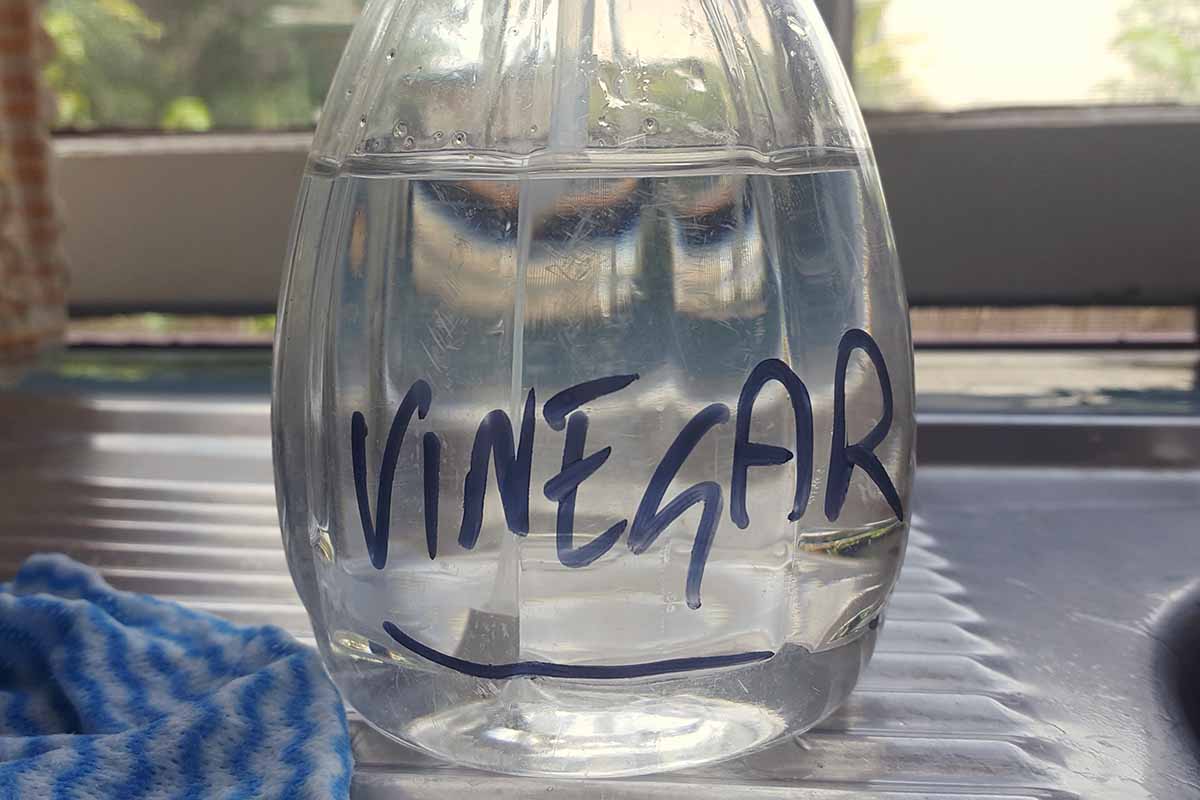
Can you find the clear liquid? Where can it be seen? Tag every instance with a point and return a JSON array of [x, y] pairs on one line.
[[491, 285]]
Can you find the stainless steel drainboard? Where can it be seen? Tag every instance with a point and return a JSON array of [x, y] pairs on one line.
[[1021, 657]]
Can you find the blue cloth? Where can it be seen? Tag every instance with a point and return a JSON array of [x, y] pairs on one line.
[[106, 694]]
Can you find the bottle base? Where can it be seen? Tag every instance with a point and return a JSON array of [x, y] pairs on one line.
[[552, 727]]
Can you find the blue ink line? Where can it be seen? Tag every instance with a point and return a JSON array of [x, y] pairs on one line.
[[377, 535], [564, 490], [844, 457], [747, 454], [649, 522], [544, 669], [563, 404], [433, 481], [513, 462]]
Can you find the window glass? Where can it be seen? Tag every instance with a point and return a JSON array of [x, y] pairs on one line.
[[194, 65], [197, 65], [950, 55]]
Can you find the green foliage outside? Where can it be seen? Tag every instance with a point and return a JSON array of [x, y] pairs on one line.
[[197, 65], [1160, 41], [879, 79], [188, 65]]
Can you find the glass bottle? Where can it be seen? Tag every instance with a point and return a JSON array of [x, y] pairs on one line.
[[593, 409]]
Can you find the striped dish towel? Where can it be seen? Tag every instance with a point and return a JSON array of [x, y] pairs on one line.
[[106, 694]]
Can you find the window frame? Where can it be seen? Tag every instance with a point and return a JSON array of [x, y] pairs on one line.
[[1088, 205]]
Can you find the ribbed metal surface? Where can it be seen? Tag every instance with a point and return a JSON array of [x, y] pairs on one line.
[[173, 496]]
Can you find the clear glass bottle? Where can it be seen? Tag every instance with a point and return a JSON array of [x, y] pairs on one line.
[[593, 402]]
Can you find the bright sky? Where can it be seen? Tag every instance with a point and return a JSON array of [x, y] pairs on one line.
[[964, 53]]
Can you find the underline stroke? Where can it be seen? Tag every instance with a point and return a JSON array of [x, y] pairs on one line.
[[545, 669]]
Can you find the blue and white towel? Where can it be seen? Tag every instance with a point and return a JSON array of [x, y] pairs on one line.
[[106, 694]]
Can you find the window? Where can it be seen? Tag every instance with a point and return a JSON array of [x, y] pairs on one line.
[[198, 65], [194, 65], [1069, 178], [951, 55]]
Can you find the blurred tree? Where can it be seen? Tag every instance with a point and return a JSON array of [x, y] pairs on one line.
[[1160, 40], [187, 114], [183, 64], [229, 54], [99, 69], [879, 79]]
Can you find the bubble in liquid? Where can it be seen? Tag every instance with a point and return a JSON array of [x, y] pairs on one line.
[[391, 56], [410, 143], [438, 135], [400, 130], [460, 138], [362, 122], [533, 129], [651, 124]]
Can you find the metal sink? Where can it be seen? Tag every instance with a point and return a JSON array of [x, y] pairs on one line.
[[1179, 661], [1044, 642]]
